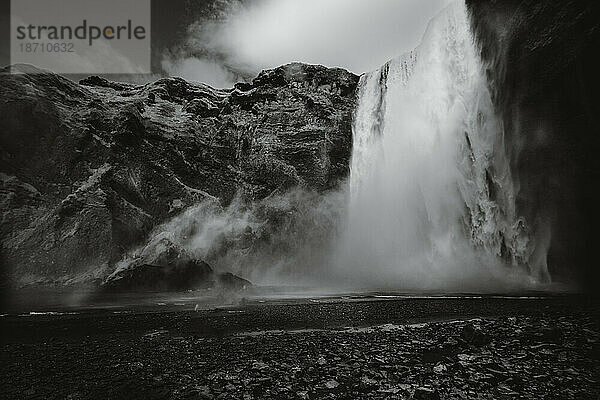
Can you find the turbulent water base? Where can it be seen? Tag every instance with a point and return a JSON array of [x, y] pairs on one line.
[[432, 200]]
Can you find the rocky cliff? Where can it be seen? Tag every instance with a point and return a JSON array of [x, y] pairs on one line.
[[543, 69], [88, 170]]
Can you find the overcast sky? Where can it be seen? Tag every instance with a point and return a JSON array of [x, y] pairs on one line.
[[359, 35]]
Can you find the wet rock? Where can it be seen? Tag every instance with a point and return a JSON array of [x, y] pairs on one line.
[[164, 266], [551, 334], [185, 276], [191, 275], [425, 393], [202, 107], [440, 369], [474, 335], [433, 354], [331, 384], [151, 98], [367, 384], [95, 80], [231, 281]]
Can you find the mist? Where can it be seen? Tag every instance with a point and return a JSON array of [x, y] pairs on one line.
[[285, 239], [247, 37]]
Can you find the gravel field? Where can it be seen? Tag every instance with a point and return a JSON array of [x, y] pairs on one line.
[[490, 348]]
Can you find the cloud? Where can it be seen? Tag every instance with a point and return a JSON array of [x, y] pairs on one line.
[[201, 70], [357, 35]]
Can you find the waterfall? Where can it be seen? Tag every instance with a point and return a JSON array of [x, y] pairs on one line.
[[432, 200]]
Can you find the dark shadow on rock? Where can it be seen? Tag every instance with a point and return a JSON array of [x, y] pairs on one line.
[[192, 275], [164, 266]]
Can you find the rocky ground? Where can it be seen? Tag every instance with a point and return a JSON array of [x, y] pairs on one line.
[[545, 348]]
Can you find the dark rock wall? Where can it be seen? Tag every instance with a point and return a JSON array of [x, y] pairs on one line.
[[87, 170], [544, 70]]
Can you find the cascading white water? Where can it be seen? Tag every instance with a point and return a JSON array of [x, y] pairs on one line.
[[432, 201]]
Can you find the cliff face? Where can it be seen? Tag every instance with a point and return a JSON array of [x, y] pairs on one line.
[[543, 69], [88, 170]]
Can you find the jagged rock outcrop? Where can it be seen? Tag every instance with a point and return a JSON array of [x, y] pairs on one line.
[[164, 266], [88, 170]]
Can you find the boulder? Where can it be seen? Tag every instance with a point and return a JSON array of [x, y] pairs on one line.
[[162, 265], [474, 335], [426, 393], [178, 277]]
